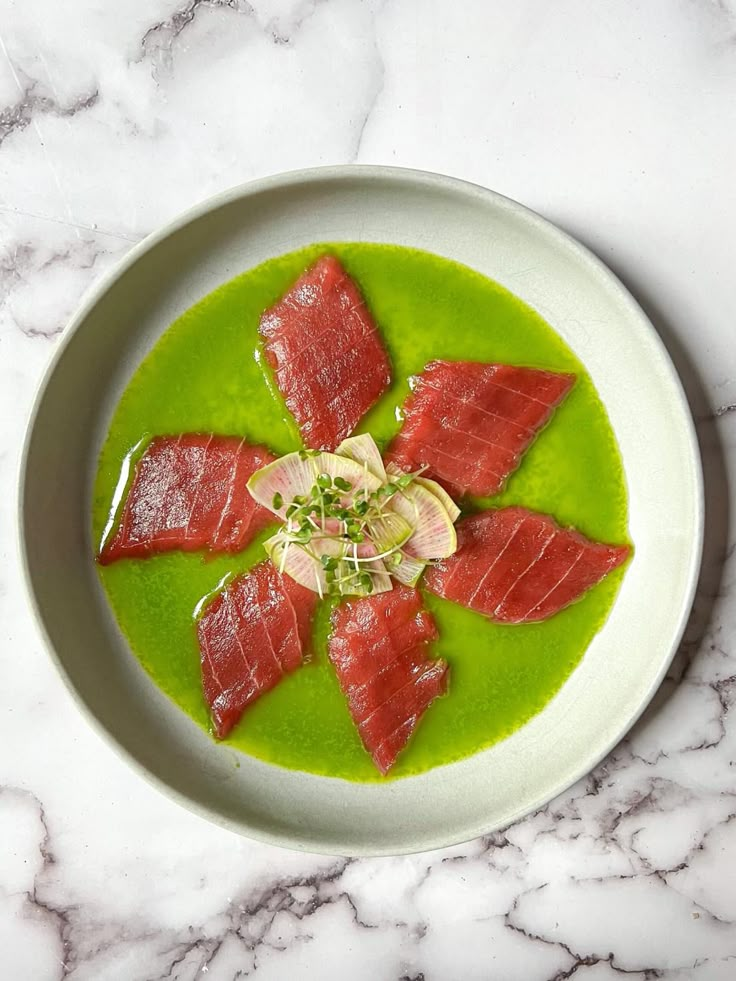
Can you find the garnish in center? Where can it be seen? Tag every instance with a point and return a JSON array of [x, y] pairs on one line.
[[351, 528]]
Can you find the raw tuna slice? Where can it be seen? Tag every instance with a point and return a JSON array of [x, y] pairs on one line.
[[189, 492], [378, 647], [252, 634], [518, 566], [325, 351], [469, 424]]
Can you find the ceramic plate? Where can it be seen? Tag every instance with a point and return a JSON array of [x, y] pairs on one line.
[[168, 272]]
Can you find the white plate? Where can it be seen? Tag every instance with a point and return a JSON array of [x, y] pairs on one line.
[[159, 279]]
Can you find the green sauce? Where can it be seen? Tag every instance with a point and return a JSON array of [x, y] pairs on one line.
[[203, 376]]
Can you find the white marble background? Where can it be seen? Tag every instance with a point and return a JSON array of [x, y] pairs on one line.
[[615, 118]]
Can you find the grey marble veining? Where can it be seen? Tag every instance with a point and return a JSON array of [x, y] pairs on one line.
[[618, 121]]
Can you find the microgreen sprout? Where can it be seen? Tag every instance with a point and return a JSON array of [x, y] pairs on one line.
[[335, 524]]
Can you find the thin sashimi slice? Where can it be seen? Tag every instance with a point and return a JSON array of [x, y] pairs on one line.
[[325, 351], [303, 606], [391, 626], [367, 697], [189, 493], [207, 504], [250, 636], [378, 647], [400, 713], [242, 518], [469, 424], [519, 566]]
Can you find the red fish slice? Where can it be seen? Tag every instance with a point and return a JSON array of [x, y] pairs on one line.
[[324, 348], [189, 492], [469, 424], [518, 566], [252, 634], [378, 647]]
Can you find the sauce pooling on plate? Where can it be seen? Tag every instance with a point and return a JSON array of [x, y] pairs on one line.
[[427, 309]]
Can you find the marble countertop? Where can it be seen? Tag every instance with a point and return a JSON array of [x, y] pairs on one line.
[[617, 120]]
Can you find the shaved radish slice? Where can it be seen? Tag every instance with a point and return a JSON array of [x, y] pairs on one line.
[[439, 491], [364, 451], [434, 533], [284, 479], [354, 473], [431, 485], [409, 570], [304, 566], [389, 531], [276, 485]]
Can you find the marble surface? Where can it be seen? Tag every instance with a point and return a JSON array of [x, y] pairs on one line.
[[615, 119]]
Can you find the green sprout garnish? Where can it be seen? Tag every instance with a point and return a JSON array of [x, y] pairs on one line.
[[335, 511]]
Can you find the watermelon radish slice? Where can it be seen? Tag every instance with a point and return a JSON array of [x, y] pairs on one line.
[[434, 532], [431, 485], [292, 477], [409, 570], [363, 450]]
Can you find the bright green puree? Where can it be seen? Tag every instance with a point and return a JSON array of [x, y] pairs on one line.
[[202, 376]]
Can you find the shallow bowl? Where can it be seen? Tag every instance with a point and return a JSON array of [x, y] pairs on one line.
[[117, 325]]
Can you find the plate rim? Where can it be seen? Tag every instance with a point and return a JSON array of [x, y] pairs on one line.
[[317, 175]]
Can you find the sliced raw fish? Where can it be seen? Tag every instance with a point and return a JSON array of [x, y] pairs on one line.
[[378, 647], [189, 492], [326, 353], [250, 635], [518, 566], [470, 424]]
